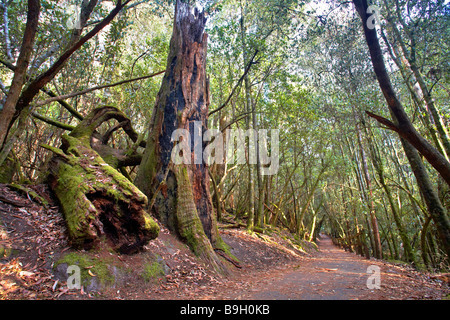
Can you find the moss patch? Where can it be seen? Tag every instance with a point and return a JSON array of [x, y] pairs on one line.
[[90, 268], [152, 271]]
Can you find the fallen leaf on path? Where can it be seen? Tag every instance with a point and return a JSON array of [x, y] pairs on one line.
[[326, 269]]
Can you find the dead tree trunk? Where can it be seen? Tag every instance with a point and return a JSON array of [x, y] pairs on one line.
[[99, 203], [180, 193]]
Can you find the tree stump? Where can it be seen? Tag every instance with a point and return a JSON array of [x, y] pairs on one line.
[[99, 204]]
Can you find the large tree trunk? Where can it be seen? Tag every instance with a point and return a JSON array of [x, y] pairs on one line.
[[180, 193]]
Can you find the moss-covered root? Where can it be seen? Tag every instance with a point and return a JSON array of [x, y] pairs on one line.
[[98, 202], [189, 225], [29, 192]]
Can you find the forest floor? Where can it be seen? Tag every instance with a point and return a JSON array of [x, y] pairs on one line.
[[34, 255]]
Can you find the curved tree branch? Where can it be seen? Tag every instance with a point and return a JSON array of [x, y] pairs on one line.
[[384, 121], [247, 69]]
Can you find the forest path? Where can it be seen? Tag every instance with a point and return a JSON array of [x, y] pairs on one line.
[[335, 274], [331, 273]]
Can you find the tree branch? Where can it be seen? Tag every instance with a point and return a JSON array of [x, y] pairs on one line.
[[31, 91], [52, 122], [67, 106], [78, 93], [86, 9], [9, 111], [247, 69], [384, 121]]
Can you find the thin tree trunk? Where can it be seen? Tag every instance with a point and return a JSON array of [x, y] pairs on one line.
[[310, 197], [411, 61], [373, 218], [378, 165], [249, 104], [362, 190], [409, 81], [9, 110]]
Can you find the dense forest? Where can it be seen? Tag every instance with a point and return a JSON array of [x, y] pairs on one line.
[[341, 109]]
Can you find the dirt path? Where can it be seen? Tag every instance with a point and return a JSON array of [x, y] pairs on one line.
[[331, 274], [334, 274]]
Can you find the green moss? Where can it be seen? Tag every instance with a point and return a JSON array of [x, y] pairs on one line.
[[396, 261], [89, 266], [189, 225], [5, 252], [73, 184], [148, 168], [83, 172], [29, 192], [152, 271], [111, 160], [150, 224], [220, 244], [191, 239], [128, 189]]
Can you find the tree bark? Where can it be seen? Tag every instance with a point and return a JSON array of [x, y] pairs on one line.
[[182, 191], [434, 205], [9, 110]]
